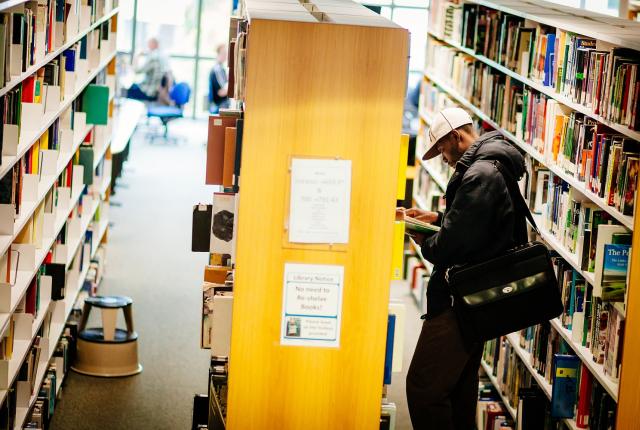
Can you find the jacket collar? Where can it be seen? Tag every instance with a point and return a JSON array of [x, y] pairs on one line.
[[470, 154]]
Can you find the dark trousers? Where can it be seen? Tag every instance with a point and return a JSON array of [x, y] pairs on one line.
[[134, 92], [442, 381]]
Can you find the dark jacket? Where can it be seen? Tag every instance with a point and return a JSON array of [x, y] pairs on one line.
[[479, 221]]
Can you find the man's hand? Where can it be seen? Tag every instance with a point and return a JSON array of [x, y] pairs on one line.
[[421, 215]]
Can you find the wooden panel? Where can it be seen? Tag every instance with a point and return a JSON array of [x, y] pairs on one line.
[[315, 90], [628, 398]]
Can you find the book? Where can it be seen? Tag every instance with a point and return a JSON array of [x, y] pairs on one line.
[[565, 385], [614, 271], [222, 224], [228, 168], [418, 226], [201, 226], [215, 148], [95, 103]]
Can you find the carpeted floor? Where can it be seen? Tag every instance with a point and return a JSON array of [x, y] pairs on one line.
[[149, 259]]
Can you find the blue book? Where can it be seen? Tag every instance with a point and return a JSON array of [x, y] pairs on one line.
[[69, 60], [565, 385], [388, 356], [614, 271], [548, 60]]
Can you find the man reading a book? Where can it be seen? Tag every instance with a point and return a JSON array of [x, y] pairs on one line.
[[480, 222]]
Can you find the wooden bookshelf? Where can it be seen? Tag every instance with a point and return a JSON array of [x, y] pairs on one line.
[[327, 85], [620, 33]]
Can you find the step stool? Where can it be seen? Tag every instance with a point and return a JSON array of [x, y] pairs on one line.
[[107, 351]]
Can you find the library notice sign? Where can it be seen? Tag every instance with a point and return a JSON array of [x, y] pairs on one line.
[[311, 305], [320, 201]]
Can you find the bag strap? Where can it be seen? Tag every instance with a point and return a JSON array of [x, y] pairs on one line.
[[516, 195]]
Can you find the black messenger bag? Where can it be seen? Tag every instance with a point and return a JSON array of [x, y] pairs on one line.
[[507, 293]]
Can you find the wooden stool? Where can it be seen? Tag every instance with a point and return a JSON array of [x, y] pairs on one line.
[[107, 351]]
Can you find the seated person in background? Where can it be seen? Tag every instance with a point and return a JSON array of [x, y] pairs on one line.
[[154, 69], [218, 81]]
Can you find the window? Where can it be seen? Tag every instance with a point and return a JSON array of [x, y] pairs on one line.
[[188, 32], [412, 15]]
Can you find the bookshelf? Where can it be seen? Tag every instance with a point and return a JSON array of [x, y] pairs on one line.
[[67, 214], [609, 33], [489, 372], [320, 63]]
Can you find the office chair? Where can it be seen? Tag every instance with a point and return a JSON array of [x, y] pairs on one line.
[[179, 94]]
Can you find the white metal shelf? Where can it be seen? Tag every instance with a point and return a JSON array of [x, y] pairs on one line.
[[437, 177], [489, 372], [29, 207], [23, 279], [425, 117], [9, 160], [597, 370], [14, 369], [54, 338], [420, 202], [570, 257], [548, 91], [625, 220], [22, 346], [525, 356], [8, 4], [15, 80], [617, 31]]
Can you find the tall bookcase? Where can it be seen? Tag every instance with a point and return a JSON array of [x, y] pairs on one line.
[[321, 82], [443, 86], [57, 101]]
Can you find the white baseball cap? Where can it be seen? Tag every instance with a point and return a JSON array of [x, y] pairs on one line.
[[444, 123]]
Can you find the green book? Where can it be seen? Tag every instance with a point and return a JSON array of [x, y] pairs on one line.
[[86, 160], [413, 224], [95, 102]]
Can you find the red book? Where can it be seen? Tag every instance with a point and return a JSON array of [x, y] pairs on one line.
[[584, 398], [29, 89], [494, 410], [215, 148], [32, 297]]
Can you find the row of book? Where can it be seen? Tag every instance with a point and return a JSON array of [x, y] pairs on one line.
[[31, 30], [604, 160], [39, 399], [598, 244], [585, 70], [41, 159], [23, 107], [575, 394], [595, 323]]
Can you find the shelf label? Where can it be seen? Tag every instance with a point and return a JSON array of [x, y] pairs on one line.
[[319, 206], [311, 305]]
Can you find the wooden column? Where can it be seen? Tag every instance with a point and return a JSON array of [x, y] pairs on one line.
[[315, 89]]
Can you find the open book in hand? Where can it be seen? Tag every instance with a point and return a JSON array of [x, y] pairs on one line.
[[418, 226]]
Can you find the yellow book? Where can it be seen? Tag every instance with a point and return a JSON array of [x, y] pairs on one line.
[[402, 169], [26, 234], [44, 141], [397, 257], [35, 157], [38, 226]]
